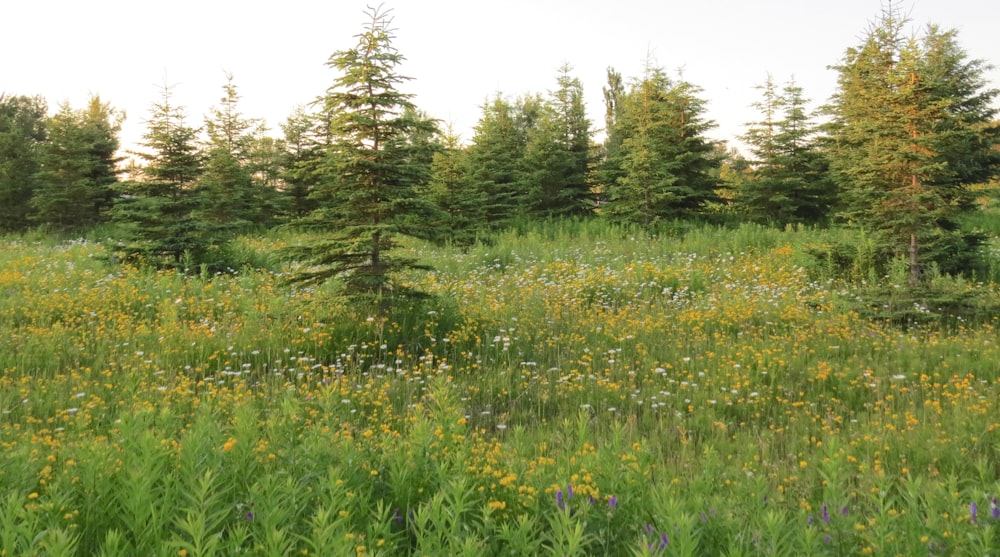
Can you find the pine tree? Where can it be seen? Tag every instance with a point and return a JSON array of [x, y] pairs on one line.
[[157, 211], [369, 195], [22, 131], [911, 131], [496, 160], [231, 201], [451, 190], [662, 166], [557, 156], [78, 167], [306, 141], [788, 183]]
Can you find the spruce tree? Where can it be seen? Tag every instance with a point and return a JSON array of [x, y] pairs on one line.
[[78, 167], [369, 194], [306, 143], [157, 211], [788, 183], [450, 188], [231, 201], [22, 131], [557, 155], [911, 131], [661, 167], [496, 161]]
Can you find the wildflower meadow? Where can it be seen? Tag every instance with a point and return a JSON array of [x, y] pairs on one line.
[[574, 389]]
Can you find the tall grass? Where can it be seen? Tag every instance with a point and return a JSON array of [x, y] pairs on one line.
[[570, 389]]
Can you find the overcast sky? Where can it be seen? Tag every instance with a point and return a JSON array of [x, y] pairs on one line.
[[458, 52]]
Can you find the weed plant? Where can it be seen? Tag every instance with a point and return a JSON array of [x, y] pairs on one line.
[[573, 389]]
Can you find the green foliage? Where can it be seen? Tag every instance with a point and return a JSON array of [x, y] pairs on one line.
[[532, 405], [240, 167], [496, 156], [659, 166], [22, 131], [75, 183], [306, 140], [157, 212], [787, 182], [911, 132], [368, 197], [451, 189], [557, 154]]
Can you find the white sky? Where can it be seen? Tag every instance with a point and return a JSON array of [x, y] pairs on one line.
[[458, 52]]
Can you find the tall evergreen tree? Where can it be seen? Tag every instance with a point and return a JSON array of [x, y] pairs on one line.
[[266, 164], [557, 156], [607, 169], [911, 130], [450, 188], [78, 167], [788, 183], [231, 200], [663, 167], [22, 131], [157, 210], [496, 160], [306, 142], [370, 193]]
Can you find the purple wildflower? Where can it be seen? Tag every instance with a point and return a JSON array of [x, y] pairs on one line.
[[649, 529], [973, 512], [826, 514], [827, 539], [809, 520], [569, 491], [994, 508], [843, 510], [612, 502], [249, 515], [704, 517], [559, 500], [664, 540]]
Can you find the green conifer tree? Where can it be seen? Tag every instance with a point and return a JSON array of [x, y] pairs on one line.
[[157, 211], [78, 167], [496, 161], [662, 166], [369, 196], [231, 200], [789, 181], [452, 191], [557, 155], [22, 131], [911, 131], [306, 142]]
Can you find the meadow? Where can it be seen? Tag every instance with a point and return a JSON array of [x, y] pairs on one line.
[[573, 389]]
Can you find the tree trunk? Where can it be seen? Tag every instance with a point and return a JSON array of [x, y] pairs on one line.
[[914, 264]]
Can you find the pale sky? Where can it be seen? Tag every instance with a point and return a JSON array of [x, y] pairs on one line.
[[458, 52]]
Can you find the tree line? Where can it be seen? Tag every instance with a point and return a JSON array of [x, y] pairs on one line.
[[911, 127]]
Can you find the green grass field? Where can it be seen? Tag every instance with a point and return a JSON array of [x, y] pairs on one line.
[[572, 389]]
